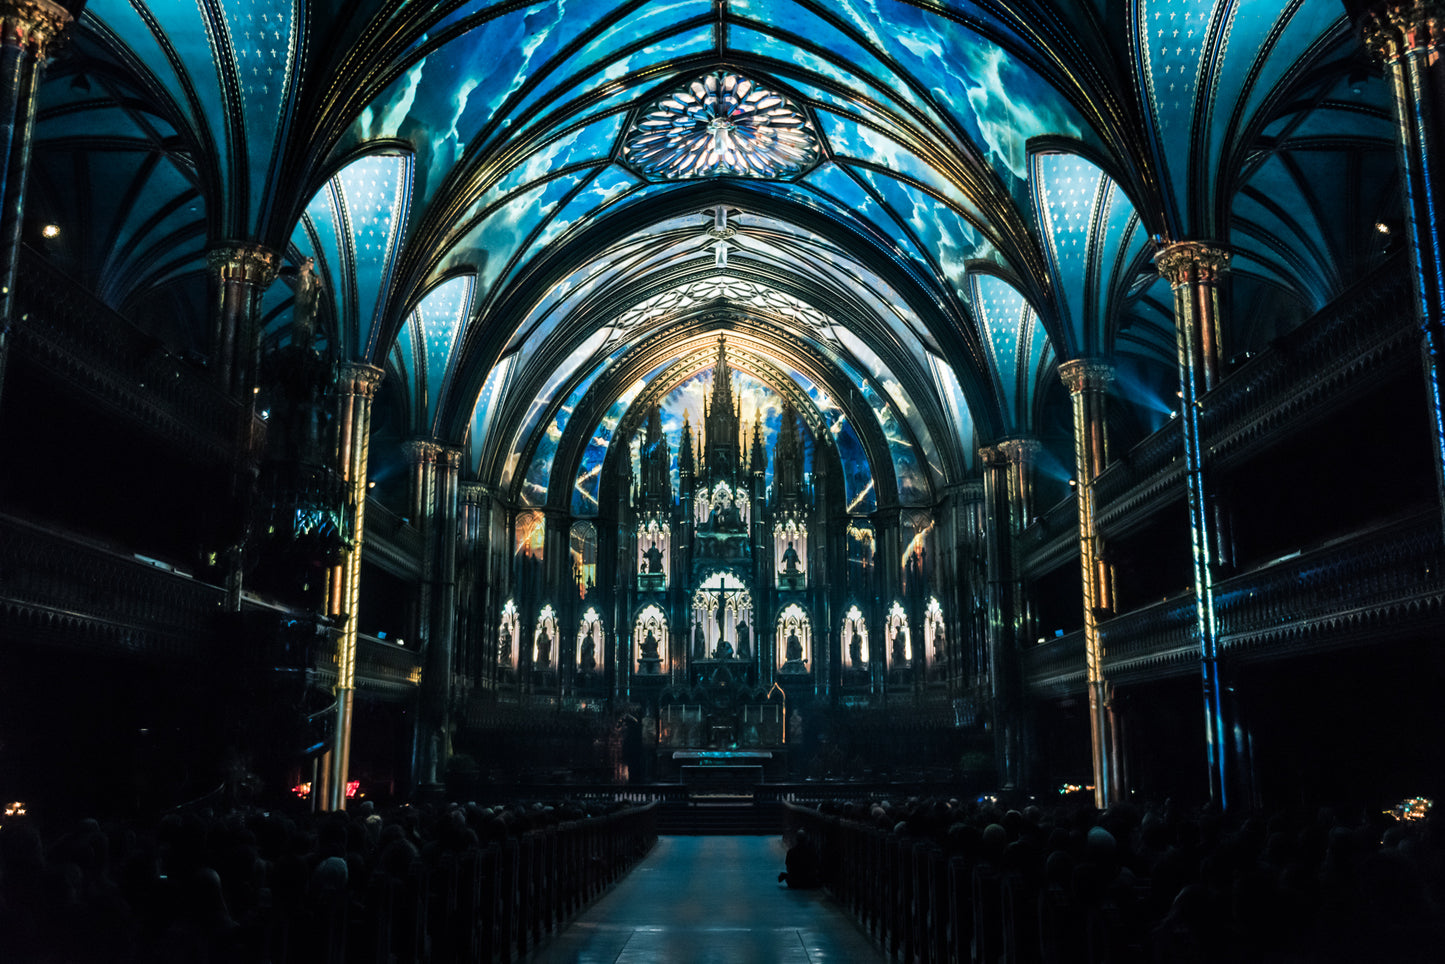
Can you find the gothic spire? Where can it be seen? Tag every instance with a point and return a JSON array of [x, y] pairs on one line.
[[758, 458], [685, 461], [722, 379], [788, 455]]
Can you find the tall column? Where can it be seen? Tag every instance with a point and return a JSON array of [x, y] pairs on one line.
[[1088, 382], [356, 389], [1196, 270], [27, 29], [1008, 507], [241, 271], [971, 632], [441, 641], [1409, 40], [887, 556], [421, 463], [472, 580]]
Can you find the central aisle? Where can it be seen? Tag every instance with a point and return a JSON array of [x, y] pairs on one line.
[[710, 900]]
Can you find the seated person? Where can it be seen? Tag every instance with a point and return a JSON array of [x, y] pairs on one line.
[[804, 871]]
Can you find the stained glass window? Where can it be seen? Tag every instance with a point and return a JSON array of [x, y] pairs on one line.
[[722, 124]]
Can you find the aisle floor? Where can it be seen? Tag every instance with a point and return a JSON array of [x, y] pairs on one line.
[[710, 900]]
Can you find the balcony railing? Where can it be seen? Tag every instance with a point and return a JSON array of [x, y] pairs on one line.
[[1052, 540], [71, 333], [1147, 476], [74, 592], [1056, 667], [382, 668], [1158, 640], [1365, 587], [391, 542], [1353, 338]]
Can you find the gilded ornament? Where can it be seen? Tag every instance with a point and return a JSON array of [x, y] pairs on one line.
[[359, 378], [1019, 451], [1391, 29], [1192, 262], [252, 264], [1086, 374], [32, 24]]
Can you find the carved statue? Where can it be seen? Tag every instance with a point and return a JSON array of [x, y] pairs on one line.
[[744, 640], [654, 558], [303, 310], [724, 516], [649, 645], [699, 644], [794, 649], [724, 650], [588, 659], [544, 649], [790, 560], [721, 611], [900, 652], [504, 647], [855, 648]]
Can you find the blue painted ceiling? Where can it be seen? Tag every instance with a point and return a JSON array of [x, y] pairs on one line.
[[989, 183]]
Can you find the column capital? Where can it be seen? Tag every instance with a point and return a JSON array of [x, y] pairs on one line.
[[1388, 30], [474, 493], [242, 261], [421, 450], [359, 378], [32, 24], [449, 457], [1087, 375], [1192, 262], [1020, 449], [969, 491]]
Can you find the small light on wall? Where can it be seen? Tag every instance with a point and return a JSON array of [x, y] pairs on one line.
[[1073, 483], [1380, 226], [371, 484], [50, 231]]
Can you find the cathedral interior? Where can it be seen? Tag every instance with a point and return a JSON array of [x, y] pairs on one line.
[[405, 399]]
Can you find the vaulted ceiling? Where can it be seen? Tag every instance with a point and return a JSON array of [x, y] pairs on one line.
[[538, 216]]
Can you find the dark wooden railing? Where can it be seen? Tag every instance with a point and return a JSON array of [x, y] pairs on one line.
[[382, 668], [69, 332], [76, 592]]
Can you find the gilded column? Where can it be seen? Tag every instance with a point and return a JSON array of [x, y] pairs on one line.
[[356, 389], [28, 28], [1196, 270], [1088, 381], [1407, 39], [241, 272]]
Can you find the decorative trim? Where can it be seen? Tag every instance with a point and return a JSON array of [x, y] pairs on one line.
[[244, 262], [1391, 30], [359, 378], [1192, 262], [1086, 375], [32, 24]]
